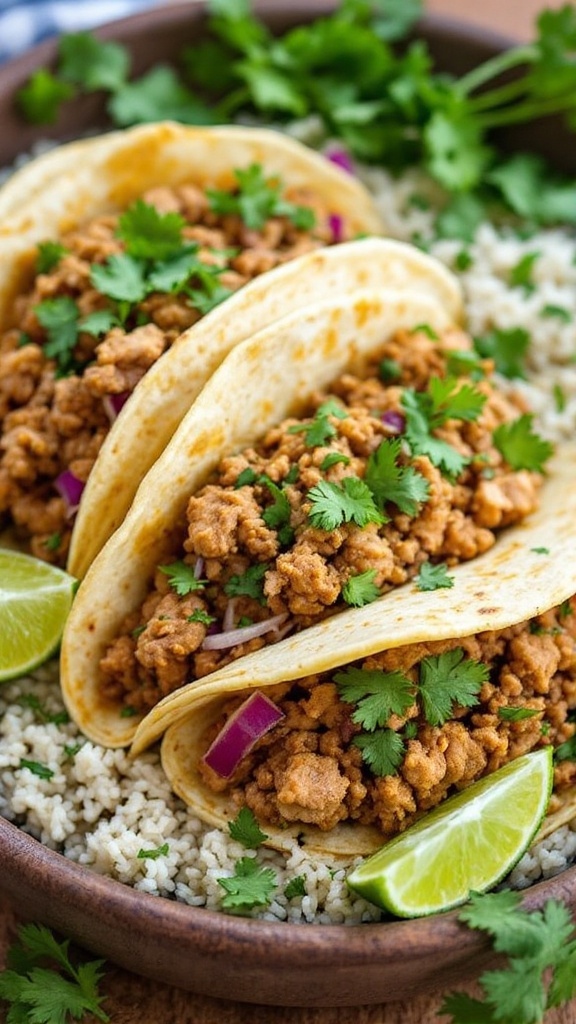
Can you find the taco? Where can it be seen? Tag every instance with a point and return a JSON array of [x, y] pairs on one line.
[[348, 732], [112, 249], [325, 461]]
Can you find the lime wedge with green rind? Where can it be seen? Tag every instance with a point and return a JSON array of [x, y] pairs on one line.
[[468, 843], [35, 599]]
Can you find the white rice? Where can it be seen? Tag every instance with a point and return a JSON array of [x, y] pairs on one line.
[[100, 809]]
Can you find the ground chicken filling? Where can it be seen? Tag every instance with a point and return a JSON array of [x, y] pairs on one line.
[[312, 768], [328, 511], [104, 306]]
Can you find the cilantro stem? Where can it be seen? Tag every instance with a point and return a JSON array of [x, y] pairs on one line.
[[529, 111], [231, 103], [496, 66], [497, 97]]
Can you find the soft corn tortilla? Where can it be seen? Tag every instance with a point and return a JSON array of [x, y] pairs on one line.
[[263, 380], [511, 583], [72, 184]]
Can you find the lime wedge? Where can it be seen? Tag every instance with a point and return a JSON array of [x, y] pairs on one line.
[[470, 842], [35, 599]]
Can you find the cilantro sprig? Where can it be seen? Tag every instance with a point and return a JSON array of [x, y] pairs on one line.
[[182, 578], [352, 501], [541, 971], [257, 199], [250, 886], [521, 446], [42, 984], [425, 411]]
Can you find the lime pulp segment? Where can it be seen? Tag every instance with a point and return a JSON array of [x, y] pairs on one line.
[[468, 843]]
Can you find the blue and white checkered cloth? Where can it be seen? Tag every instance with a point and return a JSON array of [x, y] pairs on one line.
[[26, 22]]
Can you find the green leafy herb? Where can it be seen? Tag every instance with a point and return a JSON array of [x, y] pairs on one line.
[[246, 830], [520, 446], [31, 700], [37, 768], [521, 274], [59, 317], [565, 609], [335, 504], [71, 750], [182, 578], [53, 542], [49, 255], [559, 396], [250, 886], [382, 750], [361, 589], [541, 551], [464, 362], [98, 322], [332, 459], [377, 695], [51, 994], [389, 481], [199, 615], [159, 851], [93, 63], [390, 370], [249, 583], [559, 312], [128, 711], [463, 260], [541, 970], [40, 99], [420, 438], [296, 887], [433, 577], [507, 347], [257, 199], [149, 234], [511, 714], [122, 278], [246, 478], [449, 679], [320, 430], [277, 515], [158, 95]]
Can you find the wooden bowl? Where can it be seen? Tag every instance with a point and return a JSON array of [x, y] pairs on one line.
[[200, 950]]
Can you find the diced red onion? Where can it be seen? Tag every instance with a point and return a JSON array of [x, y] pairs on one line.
[[113, 404], [70, 488], [341, 157], [233, 637], [252, 720], [394, 421], [336, 225]]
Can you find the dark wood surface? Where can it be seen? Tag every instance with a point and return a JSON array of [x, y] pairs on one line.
[[134, 1000]]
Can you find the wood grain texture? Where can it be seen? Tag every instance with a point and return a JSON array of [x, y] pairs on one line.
[[134, 1000]]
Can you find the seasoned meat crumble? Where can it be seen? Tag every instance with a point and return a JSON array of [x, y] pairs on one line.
[[57, 397], [308, 768], [261, 543]]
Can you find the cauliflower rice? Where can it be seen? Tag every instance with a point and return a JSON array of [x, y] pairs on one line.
[[104, 811]]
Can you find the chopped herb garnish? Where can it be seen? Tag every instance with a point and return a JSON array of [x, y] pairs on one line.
[[559, 396], [296, 887], [361, 589], [42, 96], [182, 578], [37, 768], [99, 322], [199, 615], [257, 199], [332, 459], [59, 317], [377, 695], [250, 886], [160, 851], [566, 751], [449, 679], [71, 750], [521, 274], [148, 234], [249, 583], [520, 446], [246, 830], [433, 577], [128, 711], [49, 255], [507, 347], [93, 63], [511, 714], [335, 504], [382, 750], [42, 985], [565, 609], [465, 362], [463, 260], [277, 515], [540, 551], [246, 478], [390, 370], [391, 482], [122, 278], [427, 330], [559, 312], [319, 431], [30, 700]]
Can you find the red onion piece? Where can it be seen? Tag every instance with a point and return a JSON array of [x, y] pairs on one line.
[[394, 421], [336, 225], [228, 618], [198, 567], [233, 637], [341, 157], [252, 720], [113, 404], [70, 488]]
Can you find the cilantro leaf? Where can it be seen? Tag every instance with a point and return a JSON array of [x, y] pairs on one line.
[[40, 99], [37, 768], [361, 589], [277, 515], [402, 486], [332, 459], [49, 255], [158, 851], [512, 714], [507, 347], [248, 584], [533, 191], [320, 430], [122, 278], [377, 694], [295, 887], [433, 577], [257, 200], [98, 322], [182, 578], [382, 750], [149, 234], [520, 446], [246, 830], [448, 679], [335, 504], [92, 63], [521, 274], [422, 442], [59, 317], [250, 886], [157, 96], [448, 399], [199, 615], [42, 995]]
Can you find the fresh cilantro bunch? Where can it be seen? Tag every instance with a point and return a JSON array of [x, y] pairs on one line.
[[43, 986], [541, 970]]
